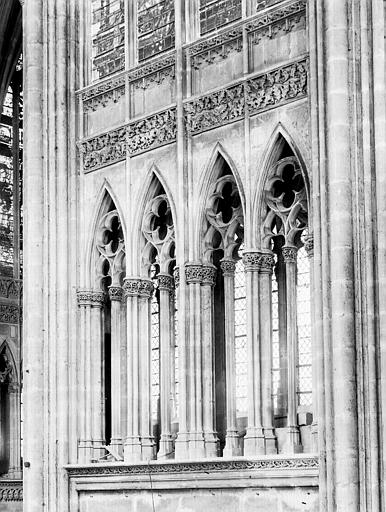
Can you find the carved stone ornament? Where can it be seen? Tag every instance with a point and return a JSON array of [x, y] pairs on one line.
[[165, 282], [193, 273], [116, 293], [309, 245], [137, 287], [11, 491], [302, 463], [103, 94], [208, 273], [251, 261], [267, 262], [216, 109], [90, 298], [152, 67], [10, 288], [289, 254], [216, 48], [176, 273], [9, 314], [105, 149], [228, 267]]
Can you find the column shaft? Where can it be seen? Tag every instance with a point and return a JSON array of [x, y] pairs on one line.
[[115, 293]]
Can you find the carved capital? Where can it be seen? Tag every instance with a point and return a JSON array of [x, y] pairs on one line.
[[137, 287], [309, 245], [267, 262], [228, 267], [176, 274], [116, 293], [165, 282], [289, 254], [251, 261], [193, 273], [13, 387], [208, 275], [90, 298]]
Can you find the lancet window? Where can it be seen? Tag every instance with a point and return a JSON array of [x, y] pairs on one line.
[[158, 260], [156, 29], [223, 239], [284, 235], [217, 13], [108, 37]]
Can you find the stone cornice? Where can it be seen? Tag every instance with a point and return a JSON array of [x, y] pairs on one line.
[[11, 490], [209, 466]]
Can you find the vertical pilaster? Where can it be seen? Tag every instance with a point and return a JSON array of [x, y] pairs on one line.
[[282, 321], [116, 293], [265, 300], [210, 435], [254, 439], [166, 295], [14, 442], [232, 441], [292, 444]]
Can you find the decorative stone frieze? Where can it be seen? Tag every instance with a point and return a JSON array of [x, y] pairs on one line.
[[10, 288], [103, 94], [277, 87], [289, 254], [192, 467], [150, 68], [9, 314], [155, 78], [11, 491], [216, 48], [193, 273], [116, 293], [141, 135], [228, 267], [134, 286], [165, 282], [90, 298], [267, 262], [208, 275], [278, 19], [176, 274], [251, 261], [216, 109]]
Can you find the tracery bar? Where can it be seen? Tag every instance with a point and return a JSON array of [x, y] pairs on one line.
[[254, 439], [292, 444], [232, 441]]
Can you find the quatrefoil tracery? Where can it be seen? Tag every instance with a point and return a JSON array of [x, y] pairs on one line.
[[286, 201], [224, 214]]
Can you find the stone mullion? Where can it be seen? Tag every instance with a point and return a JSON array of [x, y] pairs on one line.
[[115, 293], [132, 444], [196, 436], [14, 441], [232, 442], [144, 359], [166, 292], [280, 272], [292, 444], [265, 300], [210, 435], [254, 439], [97, 375]]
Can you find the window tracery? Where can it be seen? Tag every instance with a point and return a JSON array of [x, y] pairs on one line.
[[156, 30]]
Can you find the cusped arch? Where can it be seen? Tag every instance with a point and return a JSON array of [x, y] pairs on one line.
[[106, 201], [212, 172], [5, 349], [279, 138], [153, 183]]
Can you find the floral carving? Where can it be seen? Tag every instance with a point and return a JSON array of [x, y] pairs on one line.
[[152, 67], [193, 273], [215, 109], [165, 282], [10, 288], [309, 244], [277, 87], [9, 314], [155, 78], [228, 267], [104, 149], [267, 262], [208, 275], [176, 273], [90, 298], [251, 261], [217, 51], [11, 491], [134, 286], [116, 293], [289, 254]]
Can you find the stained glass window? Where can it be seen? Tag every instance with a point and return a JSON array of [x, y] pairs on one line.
[[240, 339], [155, 362], [275, 345], [262, 4], [156, 31], [108, 37], [217, 13]]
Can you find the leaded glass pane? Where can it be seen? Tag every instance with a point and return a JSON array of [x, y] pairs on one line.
[[108, 37], [217, 13], [156, 31], [304, 363]]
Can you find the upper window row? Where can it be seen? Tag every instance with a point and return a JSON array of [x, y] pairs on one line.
[[155, 28]]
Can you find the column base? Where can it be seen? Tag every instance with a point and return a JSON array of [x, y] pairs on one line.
[[85, 453], [293, 444], [132, 449], [254, 442], [166, 447], [181, 446], [232, 446], [148, 448], [196, 445], [116, 447], [98, 450], [270, 441], [211, 444]]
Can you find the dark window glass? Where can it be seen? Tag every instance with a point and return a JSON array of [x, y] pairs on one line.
[[217, 13], [156, 32]]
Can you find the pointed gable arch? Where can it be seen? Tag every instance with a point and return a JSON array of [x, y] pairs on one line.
[[220, 163], [9, 359], [281, 145]]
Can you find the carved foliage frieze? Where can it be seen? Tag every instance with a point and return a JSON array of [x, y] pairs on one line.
[[154, 72], [142, 135], [216, 48], [103, 94], [11, 491], [10, 288], [9, 314]]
